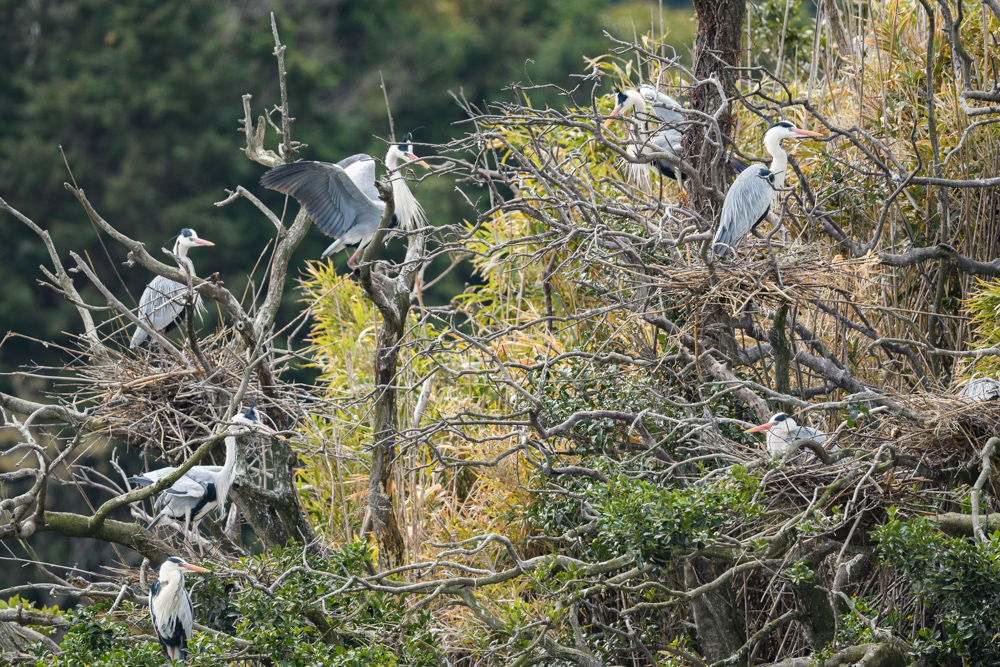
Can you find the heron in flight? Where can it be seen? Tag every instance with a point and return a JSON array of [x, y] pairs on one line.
[[202, 488], [783, 430], [162, 302], [664, 136], [342, 200], [170, 607], [753, 192]]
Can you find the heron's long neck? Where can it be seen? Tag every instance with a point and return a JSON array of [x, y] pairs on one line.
[[228, 472], [779, 159], [640, 108], [182, 251], [408, 210]]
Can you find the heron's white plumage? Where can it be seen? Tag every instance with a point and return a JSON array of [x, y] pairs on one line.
[[783, 430]]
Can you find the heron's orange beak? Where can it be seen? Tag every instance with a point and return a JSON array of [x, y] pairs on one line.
[[413, 158], [807, 133], [203, 242], [762, 427], [614, 116], [193, 568]]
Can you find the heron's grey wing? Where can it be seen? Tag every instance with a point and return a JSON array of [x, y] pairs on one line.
[[151, 477], [327, 193], [747, 203], [185, 616], [361, 169], [204, 474], [981, 389], [666, 108], [186, 487], [161, 303], [668, 141]]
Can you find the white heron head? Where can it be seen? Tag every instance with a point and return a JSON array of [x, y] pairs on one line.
[[176, 566], [786, 130], [625, 100], [400, 154], [188, 238], [779, 421], [246, 420]]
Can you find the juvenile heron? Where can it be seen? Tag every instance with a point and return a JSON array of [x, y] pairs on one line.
[[170, 607], [783, 430], [753, 192], [202, 488], [342, 200], [162, 302]]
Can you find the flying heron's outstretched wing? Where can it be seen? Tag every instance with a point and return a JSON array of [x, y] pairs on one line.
[[335, 202], [162, 303], [746, 205]]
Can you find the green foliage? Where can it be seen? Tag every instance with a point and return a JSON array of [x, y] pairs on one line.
[[364, 629], [959, 577], [781, 27], [653, 522]]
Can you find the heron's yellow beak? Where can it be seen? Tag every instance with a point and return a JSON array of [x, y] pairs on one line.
[[807, 133], [203, 242], [193, 568]]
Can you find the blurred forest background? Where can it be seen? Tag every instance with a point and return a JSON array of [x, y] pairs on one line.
[[144, 99]]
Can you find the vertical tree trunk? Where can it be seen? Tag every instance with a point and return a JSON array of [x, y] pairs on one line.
[[717, 48], [391, 548], [720, 630]]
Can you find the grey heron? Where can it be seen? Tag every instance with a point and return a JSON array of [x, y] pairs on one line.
[[202, 488], [342, 200], [170, 607], [664, 138], [783, 430], [753, 192], [162, 302], [981, 389]]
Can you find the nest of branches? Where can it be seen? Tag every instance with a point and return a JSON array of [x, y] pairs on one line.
[[149, 399], [766, 275]]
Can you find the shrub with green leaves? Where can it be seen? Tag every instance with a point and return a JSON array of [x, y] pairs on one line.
[[957, 576]]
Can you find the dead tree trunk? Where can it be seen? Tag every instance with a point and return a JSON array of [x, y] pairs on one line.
[[392, 298]]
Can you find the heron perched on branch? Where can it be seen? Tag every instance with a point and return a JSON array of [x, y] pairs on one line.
[[753, 192], [202, 488], [783, 430], [342, 200], [163, 300], [170, 607], [666, 136]]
